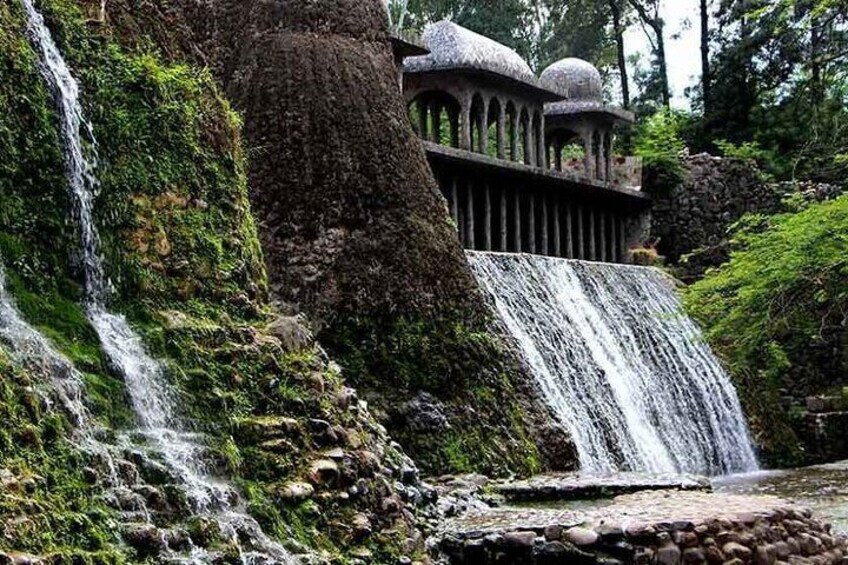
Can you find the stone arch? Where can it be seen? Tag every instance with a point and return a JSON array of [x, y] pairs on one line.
[[495, 128], [566, 150], [435, 117]]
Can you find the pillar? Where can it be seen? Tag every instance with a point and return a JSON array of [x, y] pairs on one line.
[[517, 219], [613, 221], [513, 137], [593, 237], [541, 157], [528, 142], [501, 131], [504, 240], [465, 126], [581, 233], [589, 160], [483, 126], [600, 169], [422, 119], [545, 226], [531, 223], [435, 122], [454, 129], [608, 157], [557, 165], [557, 230], [487, 221], [602, 233], [455, 202], [469, 217], [622, 244], [569, 232]]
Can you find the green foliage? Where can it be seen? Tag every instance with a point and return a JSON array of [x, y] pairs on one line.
[[660, 145], [776, 313]]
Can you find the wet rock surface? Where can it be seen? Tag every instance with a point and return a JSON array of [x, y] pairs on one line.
[[576, 487]]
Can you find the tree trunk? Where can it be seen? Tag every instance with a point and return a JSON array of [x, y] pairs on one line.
[[706, 75], [618, 28], [662, 62]]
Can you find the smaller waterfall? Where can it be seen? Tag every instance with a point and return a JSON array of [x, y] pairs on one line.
[[622, 367], [151, 394]]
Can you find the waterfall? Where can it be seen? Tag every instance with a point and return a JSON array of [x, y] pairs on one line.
[[619, 363], [151, 394]]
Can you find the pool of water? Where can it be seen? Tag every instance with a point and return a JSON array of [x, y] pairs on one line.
[[823, 488]]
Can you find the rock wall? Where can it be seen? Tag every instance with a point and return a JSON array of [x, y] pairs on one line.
[[717, 192]]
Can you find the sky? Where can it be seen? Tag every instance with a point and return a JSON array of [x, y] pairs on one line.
[[683, 53]]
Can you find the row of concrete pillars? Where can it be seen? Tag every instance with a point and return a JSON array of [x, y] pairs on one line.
[[517, 221], [515, 136]]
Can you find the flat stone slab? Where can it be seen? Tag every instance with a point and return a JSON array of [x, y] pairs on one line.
[[572, 486]]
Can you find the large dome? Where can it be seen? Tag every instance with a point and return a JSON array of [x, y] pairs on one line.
[[577, 79], [453, 47]]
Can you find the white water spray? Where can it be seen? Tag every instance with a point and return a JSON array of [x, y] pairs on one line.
[[151, 394], [622, 367]]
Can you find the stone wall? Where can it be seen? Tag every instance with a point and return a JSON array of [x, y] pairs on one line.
[[717, 192]]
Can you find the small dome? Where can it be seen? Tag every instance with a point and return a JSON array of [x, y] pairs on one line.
[[575, 78], [452, 46]]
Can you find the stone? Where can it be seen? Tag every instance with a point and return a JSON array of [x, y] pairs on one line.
[[145, 538], [669, 554], [694, 556], [520, 539], [581, 537], [324, 472], [296, 492], [291, 332], [765, 555], [553, 533], [713, 554], [736, 550], [361, 526]]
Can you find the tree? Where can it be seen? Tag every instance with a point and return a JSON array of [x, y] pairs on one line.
[[650, 18], [617, 10], [706, 77]]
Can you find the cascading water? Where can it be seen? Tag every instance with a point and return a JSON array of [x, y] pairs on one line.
[[151, 395], [621, 366]]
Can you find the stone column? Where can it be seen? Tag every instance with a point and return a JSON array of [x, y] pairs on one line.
[[581, 233], [608, 157], [454, 129], [487, 222], [557, 230], [501, 131], [513, 137], [504, 239], [593, 236], [454, 202], [569, 231], [528, 142], [557, 164], [602, 236], [469, 217], [541, 153], [465, 126], [545, 242], [589, 160], [599, 160], [622, 243], [518, 242], [613, 220], [531, 223], [483, 125], [435, 122], [422, 119]]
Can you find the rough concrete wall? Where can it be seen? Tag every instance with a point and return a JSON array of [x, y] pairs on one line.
[[355, 232]]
